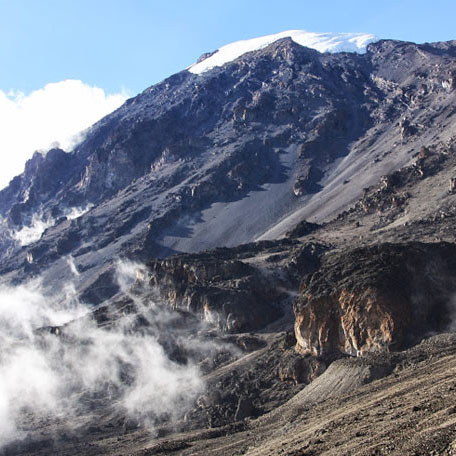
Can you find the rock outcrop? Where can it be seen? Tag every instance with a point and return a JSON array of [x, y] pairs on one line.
[[228, 288], [231, 294], [376, 298]]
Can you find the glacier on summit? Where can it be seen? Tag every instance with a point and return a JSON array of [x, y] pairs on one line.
[[322, 42]]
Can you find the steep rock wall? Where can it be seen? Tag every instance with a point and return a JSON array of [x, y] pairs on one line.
[[228, 287], [377, 298]]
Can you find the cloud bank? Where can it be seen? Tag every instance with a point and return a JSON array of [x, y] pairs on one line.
[[54, 114]]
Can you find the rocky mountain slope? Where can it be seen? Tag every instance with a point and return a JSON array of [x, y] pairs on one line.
[[310, 200], [286, 129]]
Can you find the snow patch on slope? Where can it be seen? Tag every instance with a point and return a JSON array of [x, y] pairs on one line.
[[322, 42]]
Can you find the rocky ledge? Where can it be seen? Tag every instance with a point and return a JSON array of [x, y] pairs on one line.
[[230, 287]]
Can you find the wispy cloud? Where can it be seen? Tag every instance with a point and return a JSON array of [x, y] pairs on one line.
[[39, 224], [127, 363], [49, 116]]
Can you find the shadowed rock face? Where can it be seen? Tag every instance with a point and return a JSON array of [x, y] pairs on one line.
[[222, 288], [231, 294], [378, 298]]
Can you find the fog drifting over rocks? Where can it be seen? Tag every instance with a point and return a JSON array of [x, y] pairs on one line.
[[39, 224], [55, 371]]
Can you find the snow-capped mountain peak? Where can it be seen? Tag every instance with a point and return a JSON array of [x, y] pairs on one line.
[[322, 42]]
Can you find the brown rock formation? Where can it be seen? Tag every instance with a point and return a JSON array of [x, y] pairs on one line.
[[376, 298]]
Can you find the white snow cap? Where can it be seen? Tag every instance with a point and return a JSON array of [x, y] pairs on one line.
[[323, 42]]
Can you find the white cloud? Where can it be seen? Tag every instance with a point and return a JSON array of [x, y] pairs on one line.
[[29, 234], [54, 114]]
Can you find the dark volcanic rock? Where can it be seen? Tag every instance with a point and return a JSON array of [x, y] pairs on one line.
[[40, 183], [229, 293], [296, 368], [244, 409], [227, 287], [302, 229], [390, 194]]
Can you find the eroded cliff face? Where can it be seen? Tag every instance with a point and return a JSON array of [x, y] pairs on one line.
[[377, 298], [231, 294], [229, 288]]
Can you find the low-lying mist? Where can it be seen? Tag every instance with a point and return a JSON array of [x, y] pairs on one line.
[[59, 359]]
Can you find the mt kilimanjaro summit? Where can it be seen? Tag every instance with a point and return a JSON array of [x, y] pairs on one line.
[[255, 256]]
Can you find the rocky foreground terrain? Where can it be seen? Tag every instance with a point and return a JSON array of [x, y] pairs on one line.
[[290, 219]]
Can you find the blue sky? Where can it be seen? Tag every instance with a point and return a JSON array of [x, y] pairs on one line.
[[64, 64], [132, 44]]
